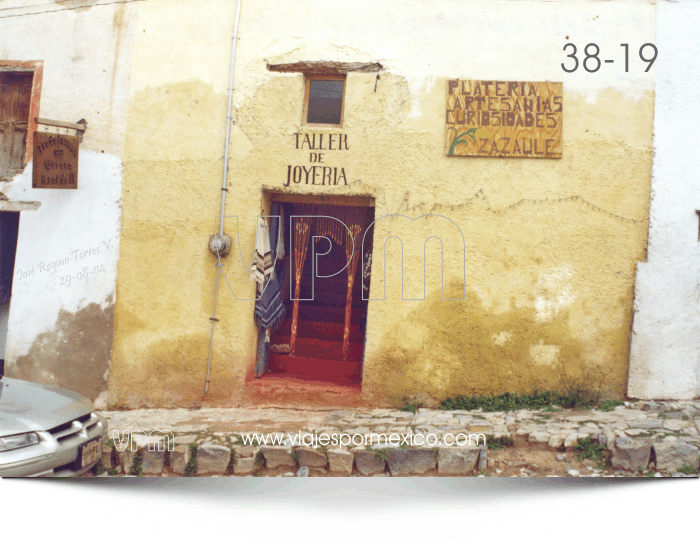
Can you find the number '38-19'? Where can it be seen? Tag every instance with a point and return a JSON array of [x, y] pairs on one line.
[[592, 62]]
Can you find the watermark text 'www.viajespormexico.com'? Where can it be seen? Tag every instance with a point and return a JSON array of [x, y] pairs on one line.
[[315, 440]]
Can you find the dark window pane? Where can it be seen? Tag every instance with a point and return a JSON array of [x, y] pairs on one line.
[[325, 101]]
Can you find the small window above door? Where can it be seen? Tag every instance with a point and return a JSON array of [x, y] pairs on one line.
[[324, 101]]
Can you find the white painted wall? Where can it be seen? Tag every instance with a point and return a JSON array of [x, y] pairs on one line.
[[67, 221], [665, 353]]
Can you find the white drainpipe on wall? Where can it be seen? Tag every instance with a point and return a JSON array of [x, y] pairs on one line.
[[220, 243]]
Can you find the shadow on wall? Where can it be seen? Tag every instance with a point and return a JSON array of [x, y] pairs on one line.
[[463, 349], [74, 355]]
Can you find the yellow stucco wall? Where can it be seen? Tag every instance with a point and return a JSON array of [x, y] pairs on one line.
[[550, 245]]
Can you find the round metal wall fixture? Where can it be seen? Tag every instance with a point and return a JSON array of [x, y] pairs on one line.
[[220, 245]]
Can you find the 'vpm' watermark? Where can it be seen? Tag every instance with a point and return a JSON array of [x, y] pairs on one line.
[[157, 440], [446, 227]]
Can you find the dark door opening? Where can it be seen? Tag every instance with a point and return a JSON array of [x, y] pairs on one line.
[[9, 226], [331, 318]]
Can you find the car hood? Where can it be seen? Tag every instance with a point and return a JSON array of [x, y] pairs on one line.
[[26, 406]]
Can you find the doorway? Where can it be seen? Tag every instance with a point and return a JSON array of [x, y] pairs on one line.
[[322, 336], [9, 226]]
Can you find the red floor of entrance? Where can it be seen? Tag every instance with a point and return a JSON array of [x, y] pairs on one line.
[[333, 371]]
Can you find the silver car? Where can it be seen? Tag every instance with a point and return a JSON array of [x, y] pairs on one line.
[[46, 431]]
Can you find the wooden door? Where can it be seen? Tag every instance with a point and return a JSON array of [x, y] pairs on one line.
[[15, 97]]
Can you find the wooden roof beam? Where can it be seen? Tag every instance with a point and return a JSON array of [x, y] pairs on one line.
[[329, 68]]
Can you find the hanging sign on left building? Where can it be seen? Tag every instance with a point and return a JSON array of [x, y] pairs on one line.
[[55, 161]]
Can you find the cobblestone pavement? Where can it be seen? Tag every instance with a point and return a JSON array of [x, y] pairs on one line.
[[639, 438]]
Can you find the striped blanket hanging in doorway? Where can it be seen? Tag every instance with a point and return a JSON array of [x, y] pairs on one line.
[[262, 258], [268, 266]]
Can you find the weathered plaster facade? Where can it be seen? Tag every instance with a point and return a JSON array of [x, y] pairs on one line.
[[60, 332], [551, 246]]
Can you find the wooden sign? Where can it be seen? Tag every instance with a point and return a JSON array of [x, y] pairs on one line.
[[503, 119], [55, 161]]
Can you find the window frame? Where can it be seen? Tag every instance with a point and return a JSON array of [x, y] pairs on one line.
[[307, 89]]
